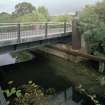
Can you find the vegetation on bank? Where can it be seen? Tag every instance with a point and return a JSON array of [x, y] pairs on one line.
[[27, 94], [26, 12], [22, 56], [92, 26]]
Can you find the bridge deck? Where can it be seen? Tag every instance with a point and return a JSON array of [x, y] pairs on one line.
[[25, 33], [21, 33]]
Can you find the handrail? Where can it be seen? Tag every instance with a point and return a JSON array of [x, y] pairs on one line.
[[8, 26], [34, 23], [21, 31]]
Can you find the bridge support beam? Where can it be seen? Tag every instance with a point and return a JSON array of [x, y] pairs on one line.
[[76, 37], [64, 27], [18, 33], [101, 67], [46, 30]]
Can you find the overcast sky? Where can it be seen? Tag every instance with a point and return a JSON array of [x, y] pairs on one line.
[[54, 6]]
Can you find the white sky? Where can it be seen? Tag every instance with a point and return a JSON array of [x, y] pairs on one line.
[[54, 6]]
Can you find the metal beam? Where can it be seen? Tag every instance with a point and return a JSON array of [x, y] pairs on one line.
[[46, 30], [18, 33], [27, 45], [65, 27]]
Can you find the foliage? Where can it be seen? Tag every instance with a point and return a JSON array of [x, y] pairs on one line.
[[22, 56], [24, 8], [31, 94], [44, 11], [41, 16], [92, 26], [62, 18], [25, 12], [5, 17], [26, 18], [92, 97], [12, 91]]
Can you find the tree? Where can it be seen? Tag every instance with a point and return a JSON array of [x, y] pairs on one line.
[[31, 17], [25, 12], [5, 17], [24, 8], [44, 11], [92, 26], [62, 18]]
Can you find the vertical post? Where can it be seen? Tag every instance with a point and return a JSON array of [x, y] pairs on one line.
[[101, 66], [64, 27], [65, 95], [18, 33], [2, 98], [76, 37], [46, 30]]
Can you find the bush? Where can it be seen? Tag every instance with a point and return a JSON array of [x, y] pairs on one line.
[[92, 26]]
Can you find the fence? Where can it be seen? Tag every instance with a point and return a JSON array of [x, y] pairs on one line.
[[19, 31]]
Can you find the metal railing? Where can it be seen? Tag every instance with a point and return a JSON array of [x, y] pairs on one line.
[[18, 32]]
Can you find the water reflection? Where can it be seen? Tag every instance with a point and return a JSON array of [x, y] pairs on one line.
[[6, 59], [47, 72], [32, 71], [63, 98]]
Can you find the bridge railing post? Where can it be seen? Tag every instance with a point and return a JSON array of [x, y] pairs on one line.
[[46, 30], [18, 34], [65, 27], [101, 67]]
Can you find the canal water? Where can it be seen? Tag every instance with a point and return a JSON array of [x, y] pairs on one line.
[[49, 72], [6, 59]]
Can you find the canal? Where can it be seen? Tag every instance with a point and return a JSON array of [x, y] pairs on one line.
[[53, 72]]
